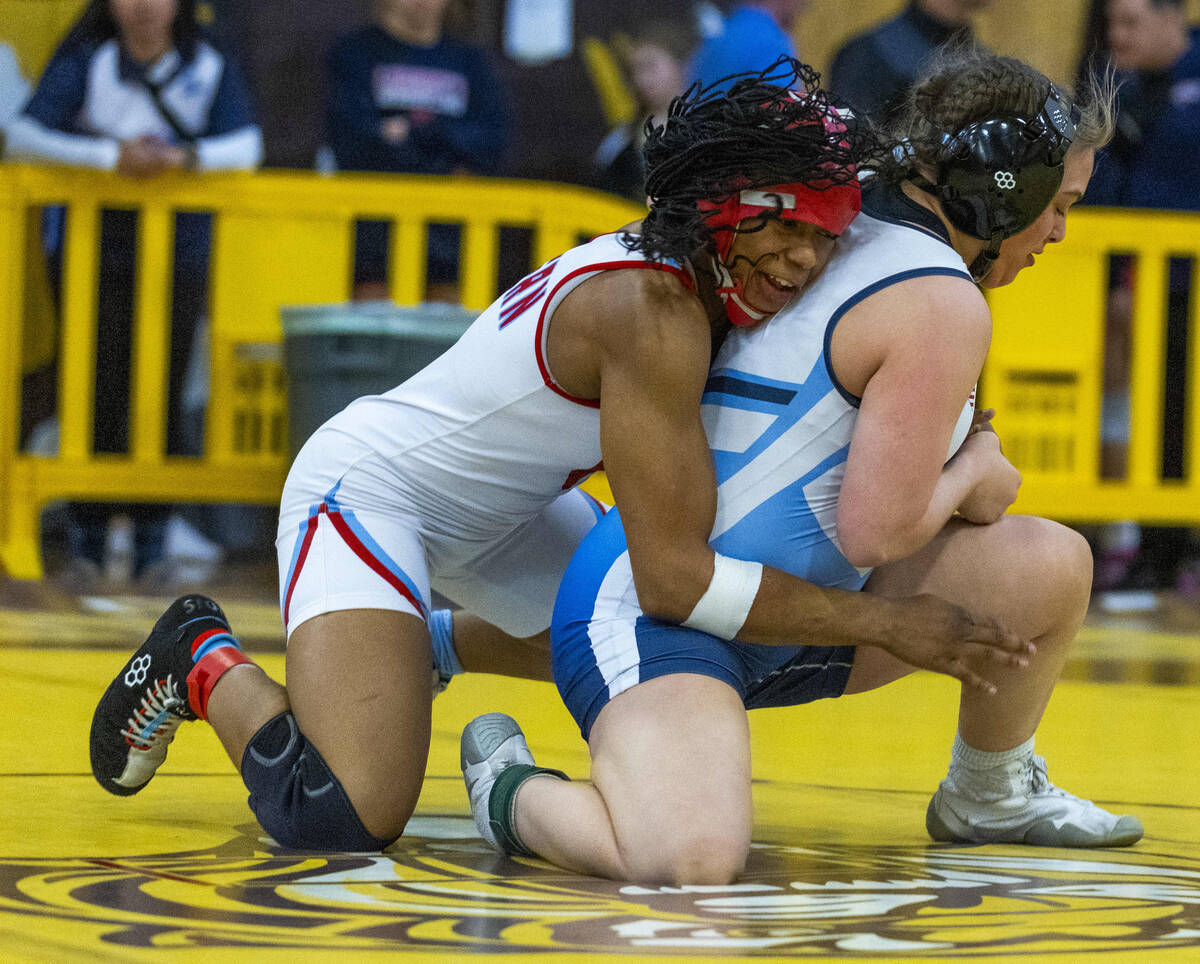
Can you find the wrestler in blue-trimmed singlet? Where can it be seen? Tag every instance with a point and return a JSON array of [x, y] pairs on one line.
[[779, 426]]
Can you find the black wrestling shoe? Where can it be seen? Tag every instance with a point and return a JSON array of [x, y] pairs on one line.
[[138, 714]]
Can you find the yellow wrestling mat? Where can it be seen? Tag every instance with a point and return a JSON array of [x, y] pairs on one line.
[[841, 866]]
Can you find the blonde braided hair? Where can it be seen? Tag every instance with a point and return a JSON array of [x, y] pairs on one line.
[[966, 84]]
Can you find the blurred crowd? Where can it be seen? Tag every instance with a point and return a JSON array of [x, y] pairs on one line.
[[521, 88]]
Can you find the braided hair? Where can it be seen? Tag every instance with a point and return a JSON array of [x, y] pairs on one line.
[[747, 131], [965, 84]]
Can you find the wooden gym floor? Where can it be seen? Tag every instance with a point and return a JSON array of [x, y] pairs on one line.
[[841, 865]]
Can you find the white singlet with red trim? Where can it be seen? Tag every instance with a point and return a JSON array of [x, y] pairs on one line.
[[458, 475]]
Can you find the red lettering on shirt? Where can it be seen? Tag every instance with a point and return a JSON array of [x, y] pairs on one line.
[[522, 296]]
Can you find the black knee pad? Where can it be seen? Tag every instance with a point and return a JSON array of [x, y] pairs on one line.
[[295, 795]]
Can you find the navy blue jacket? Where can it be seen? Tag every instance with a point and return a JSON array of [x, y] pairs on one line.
[[447, 93], [1154, 159], [873, 71]]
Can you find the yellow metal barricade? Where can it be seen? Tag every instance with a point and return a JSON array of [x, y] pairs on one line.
[[278, 239], [1044, 371], [287, 239]]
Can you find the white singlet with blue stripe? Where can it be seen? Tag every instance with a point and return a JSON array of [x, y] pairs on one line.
[[779, 424], [462, 477]]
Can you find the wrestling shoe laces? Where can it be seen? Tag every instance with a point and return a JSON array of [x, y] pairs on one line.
[[1036, 813], [1039, 780], [151, 729]]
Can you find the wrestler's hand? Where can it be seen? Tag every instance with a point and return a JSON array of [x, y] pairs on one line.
[[981, 421], [999, 479], [929, 633]]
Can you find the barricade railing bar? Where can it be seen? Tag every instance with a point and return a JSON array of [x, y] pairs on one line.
[[279, 238], [287, 239], [1045, 371]]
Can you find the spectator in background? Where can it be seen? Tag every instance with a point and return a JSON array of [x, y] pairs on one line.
[[282, 46], [1152, 162], [137, 89], [873, 71], [755, 36], [560, 113], [655, 60], [406, 99]]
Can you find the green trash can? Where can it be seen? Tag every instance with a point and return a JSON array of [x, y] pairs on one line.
[[335, 353]]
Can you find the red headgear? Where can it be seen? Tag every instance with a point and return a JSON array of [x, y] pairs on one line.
[[828, 206], [827, 203]]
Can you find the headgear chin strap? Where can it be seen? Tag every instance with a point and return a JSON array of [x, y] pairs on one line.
[[730, 293], [985, 259], [996, 176]]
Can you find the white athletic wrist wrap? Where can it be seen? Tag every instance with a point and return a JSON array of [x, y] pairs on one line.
[[723, 608]]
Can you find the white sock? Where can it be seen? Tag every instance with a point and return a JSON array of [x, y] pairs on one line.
[[966, 755], [984, 775]]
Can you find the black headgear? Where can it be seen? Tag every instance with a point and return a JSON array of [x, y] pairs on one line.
[[996, 176]]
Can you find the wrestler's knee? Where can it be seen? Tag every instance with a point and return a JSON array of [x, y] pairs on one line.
[[710, 858], [1049, 579], [1060, 560], [298, 799], [695, 855]]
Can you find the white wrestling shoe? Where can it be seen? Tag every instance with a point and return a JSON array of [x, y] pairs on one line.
[[493, 745], [1036, 813], [490, 745]]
